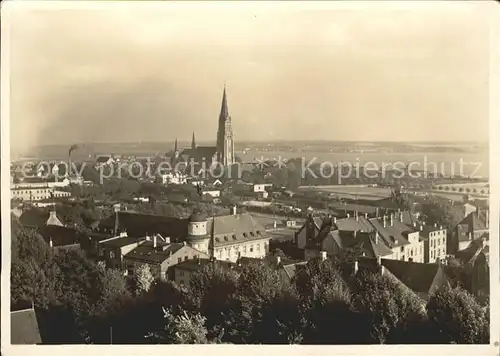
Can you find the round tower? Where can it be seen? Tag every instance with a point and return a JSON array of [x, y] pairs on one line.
[[197, 236]]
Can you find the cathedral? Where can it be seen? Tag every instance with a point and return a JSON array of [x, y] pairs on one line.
[[222, 152]]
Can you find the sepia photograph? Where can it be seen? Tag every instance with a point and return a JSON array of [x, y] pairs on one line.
[[247, 173]]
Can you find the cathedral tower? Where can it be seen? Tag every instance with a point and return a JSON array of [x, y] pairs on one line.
[[225, 144]]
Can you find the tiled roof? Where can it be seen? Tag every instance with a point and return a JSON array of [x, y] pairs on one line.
[[196, 264], [353, 224], [33, 218], [119, 242], [60, 235], [476, 247], [24, 328], [146, 252], [419, 277], [473, 223], [138, 225], [372, 245], [231, 229], [393, 235]]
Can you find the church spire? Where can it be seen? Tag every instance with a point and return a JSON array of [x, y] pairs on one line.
[[175, 146], [224, 112], [193, 142]]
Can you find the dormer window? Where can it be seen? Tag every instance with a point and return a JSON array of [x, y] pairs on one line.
[[225, 238], [258, 232], [245, 234], [252, 233], [217, 239], [234, 237]]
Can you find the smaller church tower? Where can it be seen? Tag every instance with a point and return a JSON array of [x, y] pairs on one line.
[[198, 237], [225, 144], [176, 150], [193, 142]]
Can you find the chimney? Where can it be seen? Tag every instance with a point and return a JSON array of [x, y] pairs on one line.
[[382, 270], [414, 224], [233, 210], [366, 215], [392, 219], [356, 267], [348, 215], [123, 234], [322, 255], [117, 210], [154, 241], [487, 213], [440, 227], [470, 236], [355, 233], [401, 216], [167, 240], [50, 242], [184, 243], [278, 260], [334, 219], [376, 237], [357, 216], [435, 224], [385, 221], [376, 212], [421, 227], [379, 261]]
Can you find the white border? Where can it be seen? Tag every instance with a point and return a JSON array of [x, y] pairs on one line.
[[9, 6]]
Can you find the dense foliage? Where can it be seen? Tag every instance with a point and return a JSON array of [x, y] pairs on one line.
[[79, 301]]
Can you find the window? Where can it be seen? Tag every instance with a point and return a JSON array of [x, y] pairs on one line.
[[402, 249], [186, 258], [245, 249], [181, 273], [251, 248], [179, 260], [111, 254], [411, 252], [258, 247], [220, 253]]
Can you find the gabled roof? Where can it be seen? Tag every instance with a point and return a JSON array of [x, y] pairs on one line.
[[354, 224], [422, 278], [146, 252], [119, 242], [473, 223], [393, 235], [372, 245], [33, 218], [59, 235], [231, 229], [139, 225], [476, 247], [24, 328]]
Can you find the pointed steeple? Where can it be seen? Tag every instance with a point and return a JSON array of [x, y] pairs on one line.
[[193, 142], [224, 112]]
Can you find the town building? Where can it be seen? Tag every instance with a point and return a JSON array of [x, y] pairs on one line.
[[113, 250], [160, 255], [224, 237], [472, 227], [335, 236], [475, 259], [50, 228], [435, 242], [38, 193]]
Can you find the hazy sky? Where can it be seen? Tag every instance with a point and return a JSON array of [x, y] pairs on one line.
[[129, 73]]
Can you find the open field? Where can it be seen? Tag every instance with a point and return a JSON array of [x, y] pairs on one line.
[[351, 191]]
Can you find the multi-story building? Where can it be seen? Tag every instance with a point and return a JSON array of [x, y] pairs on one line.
[[472, 227], [435, 243], [160, 255], [388, 237], [38, 193], [223, 237]]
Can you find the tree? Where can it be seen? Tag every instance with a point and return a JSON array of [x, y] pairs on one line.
[[143, 278], [183, 328], [385, 307], [456, 317]]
